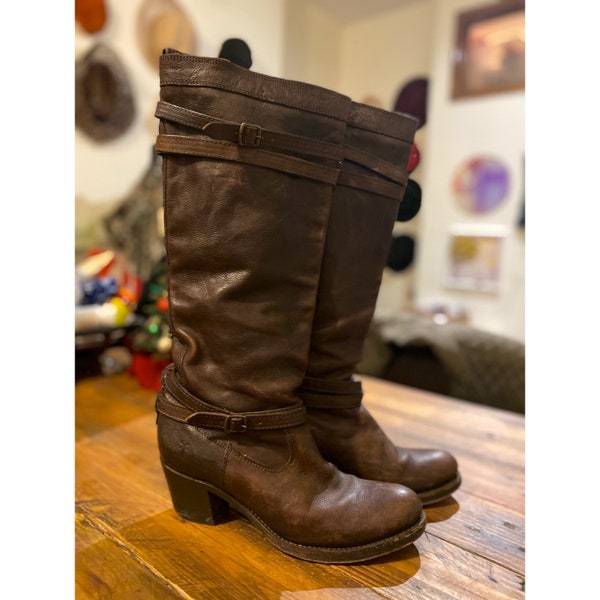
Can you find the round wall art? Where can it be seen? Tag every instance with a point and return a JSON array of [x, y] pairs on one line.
[[481, 184]]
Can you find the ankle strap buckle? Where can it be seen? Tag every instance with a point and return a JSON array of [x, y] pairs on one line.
[[249, 135], [235, 424]]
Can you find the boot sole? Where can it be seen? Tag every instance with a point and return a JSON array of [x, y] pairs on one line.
[[441, 492], [201, 502]]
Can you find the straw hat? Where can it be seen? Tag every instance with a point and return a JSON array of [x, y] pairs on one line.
[[163, 24]]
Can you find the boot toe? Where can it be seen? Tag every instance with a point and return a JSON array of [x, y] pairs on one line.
[[436, 475], [412, 507]]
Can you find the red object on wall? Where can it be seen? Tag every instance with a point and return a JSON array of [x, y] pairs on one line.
[[414, 159], [147, 370], [90, 14]]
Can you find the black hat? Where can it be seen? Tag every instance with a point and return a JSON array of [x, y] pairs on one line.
[[402, 253], [104, 107], [237, 51], [411, 201]]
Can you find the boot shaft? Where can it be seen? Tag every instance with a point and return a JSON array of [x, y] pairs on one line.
[[250, 163], [364, 207], [249, 166]]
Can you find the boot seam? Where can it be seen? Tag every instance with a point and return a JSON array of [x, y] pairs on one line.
[[291, 450]]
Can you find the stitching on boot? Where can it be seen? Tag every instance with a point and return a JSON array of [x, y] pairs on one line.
[[291, 456]]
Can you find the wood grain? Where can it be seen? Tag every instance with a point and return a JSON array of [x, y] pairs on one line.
[[129, 542]]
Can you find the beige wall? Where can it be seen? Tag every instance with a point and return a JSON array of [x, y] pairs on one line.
[[381, 53], [377, 57], [458, 129], [311, 44], [105, 173]]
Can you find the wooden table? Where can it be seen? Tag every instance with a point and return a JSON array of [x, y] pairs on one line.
[[130, 543]]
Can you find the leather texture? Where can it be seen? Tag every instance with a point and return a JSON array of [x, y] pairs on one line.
[[358, 240], [245, 229]]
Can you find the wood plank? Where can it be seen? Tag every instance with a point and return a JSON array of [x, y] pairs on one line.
[[231, 560], [104, 569], [129, 540], [488, 443], [121, 489], [481, 527], [441, 571], [103, 402], [422, 405], [487, 477]]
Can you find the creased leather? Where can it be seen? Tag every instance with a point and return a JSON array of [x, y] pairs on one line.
[[358, 240], [244, 249]]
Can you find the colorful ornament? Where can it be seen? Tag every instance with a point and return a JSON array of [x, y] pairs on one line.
[[162, 304]]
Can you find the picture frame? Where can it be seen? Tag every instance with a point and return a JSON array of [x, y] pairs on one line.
[[489, 52], [474, 258]]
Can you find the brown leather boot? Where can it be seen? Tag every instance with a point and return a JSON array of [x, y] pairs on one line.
[[364, 207], [249, 166]]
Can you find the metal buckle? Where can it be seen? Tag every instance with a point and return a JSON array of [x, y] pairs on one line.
[[235, 424], [254, 133]]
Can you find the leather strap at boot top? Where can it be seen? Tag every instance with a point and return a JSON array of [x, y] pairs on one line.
[[192, 146], [394, 184], [247, 134], [187, 408], [372, 184], [328, 393], [379, 166]]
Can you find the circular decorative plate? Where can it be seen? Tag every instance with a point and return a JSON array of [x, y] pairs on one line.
[[481, 184]]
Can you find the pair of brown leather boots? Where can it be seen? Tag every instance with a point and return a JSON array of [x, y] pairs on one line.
[[280, 199]]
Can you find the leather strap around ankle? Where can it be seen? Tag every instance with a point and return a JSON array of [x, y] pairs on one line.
[[329, 393], [176, 403]]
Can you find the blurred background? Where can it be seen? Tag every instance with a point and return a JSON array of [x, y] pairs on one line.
[[458, 65]]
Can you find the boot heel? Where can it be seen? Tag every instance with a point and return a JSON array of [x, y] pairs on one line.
[[193, 501]]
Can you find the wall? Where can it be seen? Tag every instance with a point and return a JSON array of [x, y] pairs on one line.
[[378, 55], [493, 124], [312, 51], [105, 173]]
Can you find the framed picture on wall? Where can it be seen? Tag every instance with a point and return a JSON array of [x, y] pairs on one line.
[[474, 258], [489, 53]]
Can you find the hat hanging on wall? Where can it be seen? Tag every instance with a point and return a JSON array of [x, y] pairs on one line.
[[402, 253], [90, 14], [414, 159], [412, 99], [237, 51], [104, 107], [411, 202], [164, 24]]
